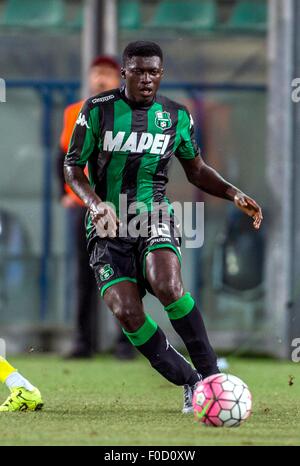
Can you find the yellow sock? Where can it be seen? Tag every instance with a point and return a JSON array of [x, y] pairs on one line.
[[5, 369]]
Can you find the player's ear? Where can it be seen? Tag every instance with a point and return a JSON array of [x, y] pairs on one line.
[[123, 73], [162, 72]]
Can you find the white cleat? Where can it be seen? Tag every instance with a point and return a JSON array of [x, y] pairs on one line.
[[188, 391]]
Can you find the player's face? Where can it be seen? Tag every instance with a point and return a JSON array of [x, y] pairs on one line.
[[143, 76], [103, 78]]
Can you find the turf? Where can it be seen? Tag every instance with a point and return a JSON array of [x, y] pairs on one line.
[[107, 402]]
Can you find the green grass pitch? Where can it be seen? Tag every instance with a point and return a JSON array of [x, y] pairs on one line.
[[108, 402]]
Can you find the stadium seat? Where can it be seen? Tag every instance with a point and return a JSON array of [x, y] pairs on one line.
[[238, 271], [129, 14], [191, 14], [248, 16], [241, 255], [33, 13], [77, 21]]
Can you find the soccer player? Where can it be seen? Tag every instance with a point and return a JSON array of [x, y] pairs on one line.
[[104, 74], [128, 137], [24, 396]]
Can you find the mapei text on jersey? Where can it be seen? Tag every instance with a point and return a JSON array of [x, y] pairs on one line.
[[136, 142]]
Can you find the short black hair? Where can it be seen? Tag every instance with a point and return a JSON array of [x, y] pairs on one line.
[[142, 48]]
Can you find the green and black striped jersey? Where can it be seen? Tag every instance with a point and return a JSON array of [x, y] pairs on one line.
[[128, 147]]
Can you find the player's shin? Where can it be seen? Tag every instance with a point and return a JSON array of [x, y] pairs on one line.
[[188, 323], [150, 340]]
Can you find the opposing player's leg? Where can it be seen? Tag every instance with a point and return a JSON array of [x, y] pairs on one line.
[[164, 275], [24, 396], [123, 298]]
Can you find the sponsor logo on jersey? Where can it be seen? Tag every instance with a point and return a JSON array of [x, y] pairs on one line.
[[106, 272], [103, 99], [137, 143], [82, 121], [163, 120]]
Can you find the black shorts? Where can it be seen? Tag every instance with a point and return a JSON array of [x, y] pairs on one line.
[[124, 259]]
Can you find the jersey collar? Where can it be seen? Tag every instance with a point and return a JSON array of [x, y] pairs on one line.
[[135, 105]]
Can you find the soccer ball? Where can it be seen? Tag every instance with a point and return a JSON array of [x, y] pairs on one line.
[[222, 400]]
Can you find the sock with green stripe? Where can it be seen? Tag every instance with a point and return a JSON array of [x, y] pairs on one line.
[[151, 341], [188, 323]]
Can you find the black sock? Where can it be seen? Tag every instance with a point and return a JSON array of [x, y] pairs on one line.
[[187, 321], [151, 341]]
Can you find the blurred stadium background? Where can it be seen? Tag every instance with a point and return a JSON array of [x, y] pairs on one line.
[[232, 63]]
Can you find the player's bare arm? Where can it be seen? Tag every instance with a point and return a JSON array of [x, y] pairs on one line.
[[101, 213], [210, 181]]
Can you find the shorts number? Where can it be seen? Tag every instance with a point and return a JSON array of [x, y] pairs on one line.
[[162, 230]]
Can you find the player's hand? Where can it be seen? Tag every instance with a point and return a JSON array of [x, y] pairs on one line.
[[68, 202], [105, 220], [250, 207]]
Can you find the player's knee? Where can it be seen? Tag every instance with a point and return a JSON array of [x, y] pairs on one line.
[[168, 291], [129, 317]]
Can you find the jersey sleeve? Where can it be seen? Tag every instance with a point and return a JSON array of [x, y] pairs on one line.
[[85, 136], [187, 147]]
